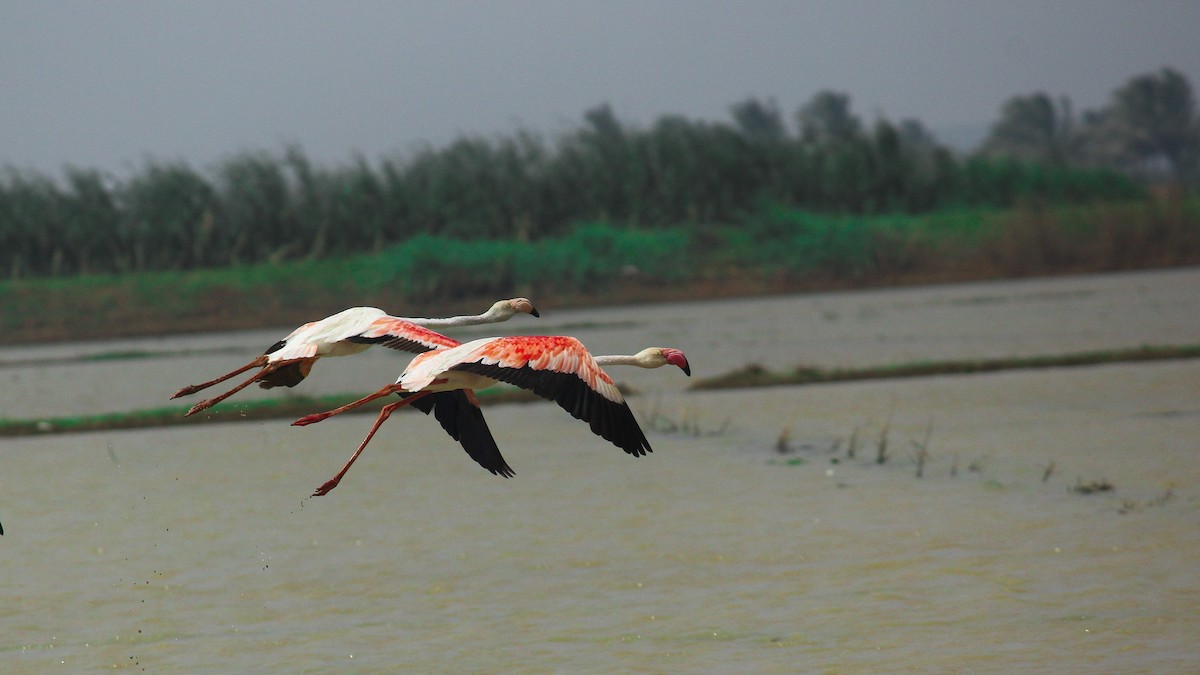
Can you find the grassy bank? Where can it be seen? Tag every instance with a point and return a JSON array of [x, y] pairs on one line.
[[292, 407], [757, 376], [774, 250]]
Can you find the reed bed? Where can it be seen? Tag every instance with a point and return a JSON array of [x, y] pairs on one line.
[[777, 249], [263, 207]]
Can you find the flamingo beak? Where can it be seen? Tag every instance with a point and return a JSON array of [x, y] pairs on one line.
[[524, 305], [676, 358]]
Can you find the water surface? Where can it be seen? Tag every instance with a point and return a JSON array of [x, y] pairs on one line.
[[193, 549]]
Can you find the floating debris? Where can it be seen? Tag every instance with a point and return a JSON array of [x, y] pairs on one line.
[[1092, 487]]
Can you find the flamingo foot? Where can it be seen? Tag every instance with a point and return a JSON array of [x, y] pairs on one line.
[[190, 389], [202, 405], [310, 419], [327, 487]]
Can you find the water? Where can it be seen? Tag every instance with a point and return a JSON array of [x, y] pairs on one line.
[[193, 549]]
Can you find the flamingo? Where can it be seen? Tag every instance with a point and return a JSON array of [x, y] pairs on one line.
[[287, 362], [558, 368]]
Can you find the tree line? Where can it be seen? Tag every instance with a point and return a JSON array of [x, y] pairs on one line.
[[270, 207], [1149, 129]]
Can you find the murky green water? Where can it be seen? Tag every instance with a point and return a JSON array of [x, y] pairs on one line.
[[192, 549]]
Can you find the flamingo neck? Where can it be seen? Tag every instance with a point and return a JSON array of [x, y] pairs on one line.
[[494, 315], [641, 360]]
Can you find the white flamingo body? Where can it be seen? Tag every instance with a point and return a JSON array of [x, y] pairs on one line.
[[351, 331], [555, 367], [355, 330], [329, 336]]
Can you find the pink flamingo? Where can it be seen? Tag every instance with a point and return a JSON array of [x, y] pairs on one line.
[[287, 362], [557, 368]]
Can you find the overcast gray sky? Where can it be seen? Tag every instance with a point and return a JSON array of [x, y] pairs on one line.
[[109, 84]]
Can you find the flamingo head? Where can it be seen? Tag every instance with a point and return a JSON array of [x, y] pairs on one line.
[[522, 305], [676, 358]]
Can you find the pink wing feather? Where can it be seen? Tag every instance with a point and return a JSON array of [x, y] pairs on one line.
[[396, 333], [554, 354]]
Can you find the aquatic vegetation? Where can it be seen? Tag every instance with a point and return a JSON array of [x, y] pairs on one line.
[[1092, 486]]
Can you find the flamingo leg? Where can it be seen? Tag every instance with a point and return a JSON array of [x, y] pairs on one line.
[[317, 417], [269, 368], [384, 413], [193, 388]]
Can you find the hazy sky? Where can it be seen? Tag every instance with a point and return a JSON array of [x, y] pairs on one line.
[[109, 84]]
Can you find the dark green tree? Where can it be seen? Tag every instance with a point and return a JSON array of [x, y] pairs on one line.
[[826, 119], [166, 221], [759, 121], [1032, 127], [1154, 116]]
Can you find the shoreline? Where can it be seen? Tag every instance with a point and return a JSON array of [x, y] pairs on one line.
[[237, 310]]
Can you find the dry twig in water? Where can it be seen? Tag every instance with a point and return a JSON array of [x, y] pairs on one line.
[[881, 453], [1048, 471], [923, 448]]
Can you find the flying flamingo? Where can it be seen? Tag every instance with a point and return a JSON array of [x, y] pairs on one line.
[[557, 368], [287, 362]]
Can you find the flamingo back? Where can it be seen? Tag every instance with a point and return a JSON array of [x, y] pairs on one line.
[[322, 338]]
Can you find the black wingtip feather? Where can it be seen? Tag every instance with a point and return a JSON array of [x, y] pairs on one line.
[[392, 342], [465, 423]]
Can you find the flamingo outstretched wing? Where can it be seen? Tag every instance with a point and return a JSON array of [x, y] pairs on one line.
[[401, 334], [558, 368], [357, 326]]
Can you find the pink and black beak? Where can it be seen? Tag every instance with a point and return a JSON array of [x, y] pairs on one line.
[[676, 358]]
